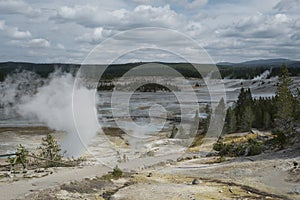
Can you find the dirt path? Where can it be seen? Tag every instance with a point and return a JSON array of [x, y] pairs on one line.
[[22, 187], [19, 188]]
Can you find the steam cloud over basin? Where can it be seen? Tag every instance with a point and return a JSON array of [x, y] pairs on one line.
[[53, 105]]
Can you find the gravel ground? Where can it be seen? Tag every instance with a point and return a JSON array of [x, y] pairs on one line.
[[266, 176]]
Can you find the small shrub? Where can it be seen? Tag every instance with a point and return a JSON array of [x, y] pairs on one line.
[[250, 148], [218, 146], [280, 139], [254, 147], [117, 172], [240, 150], [20, 158]]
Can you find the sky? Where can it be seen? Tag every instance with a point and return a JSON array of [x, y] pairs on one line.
[[228, 30]]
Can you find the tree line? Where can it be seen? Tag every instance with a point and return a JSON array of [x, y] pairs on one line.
[[237, 71], [278, 113]]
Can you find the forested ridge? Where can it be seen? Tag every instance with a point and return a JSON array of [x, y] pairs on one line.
[[246, 70]]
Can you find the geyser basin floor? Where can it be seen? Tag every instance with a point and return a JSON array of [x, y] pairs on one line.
[[29, 136]]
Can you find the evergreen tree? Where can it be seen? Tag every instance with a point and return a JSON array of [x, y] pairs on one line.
[[50, 150], [272, 108], [20, 158], [244, 101], [230, 121], [297, 105], [239, 105], [284, 104], [247, 119], [258, 112], [267, 120], [263, 110]]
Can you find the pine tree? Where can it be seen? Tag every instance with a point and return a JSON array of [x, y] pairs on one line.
[[297, 105], [266, 120], [230, 121], [258, 111], [239, 106], [247, 119], [50, 150], [244, 101], [20, 158], [284, 103]]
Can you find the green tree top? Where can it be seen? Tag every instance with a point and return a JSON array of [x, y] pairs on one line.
[[285, 103], [50, 150], [284, 96]]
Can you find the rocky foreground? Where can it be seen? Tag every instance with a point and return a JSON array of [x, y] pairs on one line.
[[266, 176], [272, 175]]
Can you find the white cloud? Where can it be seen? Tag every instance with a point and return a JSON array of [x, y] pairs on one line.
[[60, 46], [140, 16], [258, 26], [146, 15], [20, 34], [189, 4], [17, 7], [95, 36], [230, 30], [39, 42], [68, 13], [86, 15], [33, 43], [281, 18], [14, 32]]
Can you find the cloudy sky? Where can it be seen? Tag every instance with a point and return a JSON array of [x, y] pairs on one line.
[[66, 31]]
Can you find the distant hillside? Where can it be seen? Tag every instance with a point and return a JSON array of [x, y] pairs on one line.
[[263, 63], [246, 70], [250, 69], [42, 69], [112, 71]]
